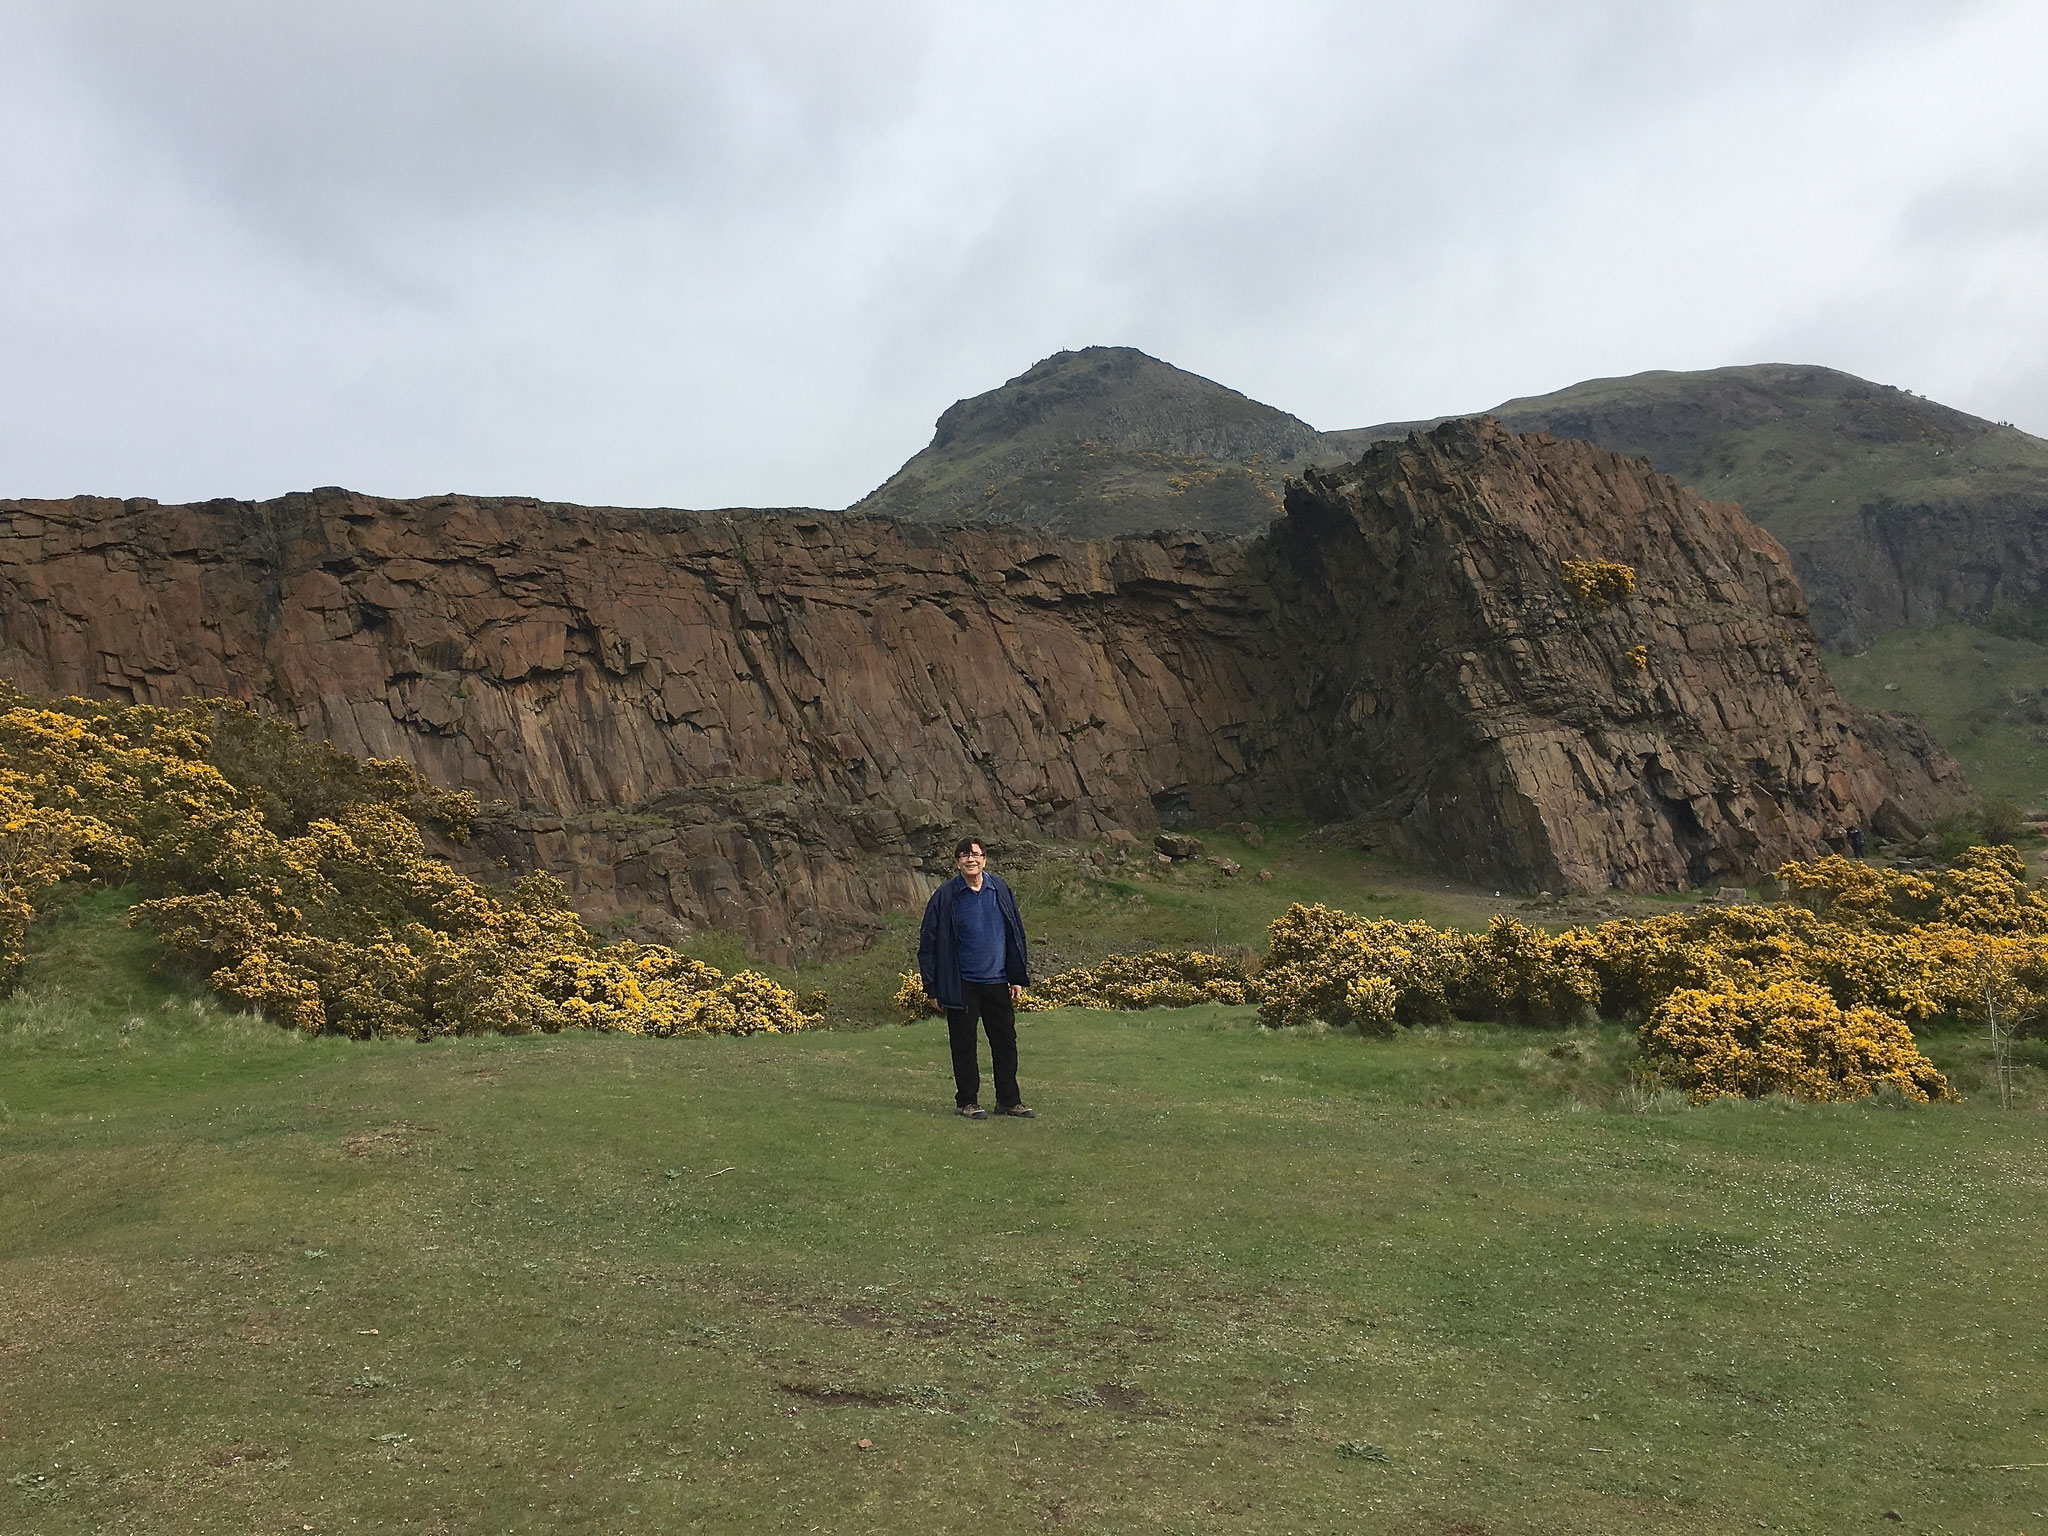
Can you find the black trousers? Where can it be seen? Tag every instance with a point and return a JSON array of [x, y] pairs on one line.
[[988, 1007]]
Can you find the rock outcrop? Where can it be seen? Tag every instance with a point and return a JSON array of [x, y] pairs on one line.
[[777, 723], [1453, 687]]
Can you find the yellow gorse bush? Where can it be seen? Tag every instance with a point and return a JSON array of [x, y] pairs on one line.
[[1812, 997], [1790, 1037], [1342, 969], [1597, 583], [910, 999], [304, 880], [1163, 979]]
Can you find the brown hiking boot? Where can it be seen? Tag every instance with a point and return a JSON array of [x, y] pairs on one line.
[[970, 1111], [1017, 1112]]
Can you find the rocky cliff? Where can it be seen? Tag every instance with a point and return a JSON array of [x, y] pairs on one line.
[[768, 724], [777, 723], [1453, 686]]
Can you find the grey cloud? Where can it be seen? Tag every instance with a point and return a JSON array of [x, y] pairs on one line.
[[719, 254]]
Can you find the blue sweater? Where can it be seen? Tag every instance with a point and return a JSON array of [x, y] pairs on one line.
[[984, 946], [938, 942]]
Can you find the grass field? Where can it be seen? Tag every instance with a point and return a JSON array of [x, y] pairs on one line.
[[1466, 1281]]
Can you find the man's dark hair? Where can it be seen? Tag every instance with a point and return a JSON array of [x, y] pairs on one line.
[[968, 845]]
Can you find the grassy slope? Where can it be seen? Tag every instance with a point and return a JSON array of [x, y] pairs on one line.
[[1230, 1281], [1981, 694], [1101, 442], [1803, 449]]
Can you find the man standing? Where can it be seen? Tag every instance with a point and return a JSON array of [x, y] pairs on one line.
[[971, 956]]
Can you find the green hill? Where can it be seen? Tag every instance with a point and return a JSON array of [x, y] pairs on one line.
[[1103, 441]]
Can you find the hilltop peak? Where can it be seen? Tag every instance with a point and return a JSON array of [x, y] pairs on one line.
[[1103, 440]]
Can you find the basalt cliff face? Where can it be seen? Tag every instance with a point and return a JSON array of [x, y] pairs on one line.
[[771, 724], [777, 723], [1453, 686]]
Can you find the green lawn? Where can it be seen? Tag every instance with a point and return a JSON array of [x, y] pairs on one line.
[[1230, 1281]]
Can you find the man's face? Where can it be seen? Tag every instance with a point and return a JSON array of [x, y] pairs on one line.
[[972, 861]]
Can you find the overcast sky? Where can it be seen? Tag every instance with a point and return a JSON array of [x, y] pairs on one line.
[[745, 253]]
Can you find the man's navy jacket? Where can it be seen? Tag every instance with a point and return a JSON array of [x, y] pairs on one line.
[[938, 944]]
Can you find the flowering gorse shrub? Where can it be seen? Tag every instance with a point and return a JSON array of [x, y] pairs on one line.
[[40, 847], [1331, 966], [1597, 583], [1342, 969], [1789, 1037], [1885, 949], [304, 880], [911, 1001], [1162, 979]]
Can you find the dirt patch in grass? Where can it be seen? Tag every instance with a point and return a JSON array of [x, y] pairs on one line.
[[390, 1141], [836, 1396], [1122, 1398]]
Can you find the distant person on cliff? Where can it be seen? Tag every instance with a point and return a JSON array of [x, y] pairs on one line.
[[971, 956], [1856, 842]]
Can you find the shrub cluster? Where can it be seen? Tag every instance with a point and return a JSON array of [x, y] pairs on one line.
[[303, 879], [911, 1001], [1790, 1037], [1812, 997], [1375, 974], [1597, 583], [1163, 979]]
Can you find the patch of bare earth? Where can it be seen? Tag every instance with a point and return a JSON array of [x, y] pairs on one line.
[[839, 1396], [396, 1140]]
